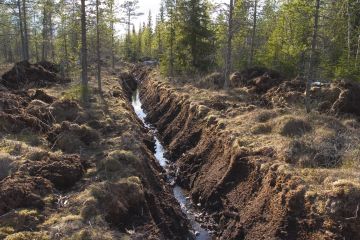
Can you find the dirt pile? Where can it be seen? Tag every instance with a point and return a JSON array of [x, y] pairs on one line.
[[257, 79], [25, 75], [23, 192], [63, 171], [214, 80], [67, 110], [247, 190], [71, 137], [339, 97]]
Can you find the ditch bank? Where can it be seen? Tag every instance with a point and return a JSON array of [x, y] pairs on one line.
[[246, 192]]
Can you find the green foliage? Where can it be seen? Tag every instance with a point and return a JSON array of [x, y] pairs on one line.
[[191, 36]]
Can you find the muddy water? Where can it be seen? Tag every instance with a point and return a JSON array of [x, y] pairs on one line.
[[180, 195]]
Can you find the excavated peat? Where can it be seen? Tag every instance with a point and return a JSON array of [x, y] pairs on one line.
[[193, 215], [246, 199]]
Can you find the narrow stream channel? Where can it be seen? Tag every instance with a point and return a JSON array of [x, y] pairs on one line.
[[184, 201]]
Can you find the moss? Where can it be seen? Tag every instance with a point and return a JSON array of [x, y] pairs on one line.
[[265, 116], [7, 165], [293, 127], [28, 235], [57, 218], [90, 209], [29, 138], [37, 155], [119, 164], [5, 231], [261, 129]]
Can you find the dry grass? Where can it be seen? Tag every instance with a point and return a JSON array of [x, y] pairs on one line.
[[310, 145], [7, 165]]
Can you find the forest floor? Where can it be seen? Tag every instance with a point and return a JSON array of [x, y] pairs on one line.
[[251, 158]]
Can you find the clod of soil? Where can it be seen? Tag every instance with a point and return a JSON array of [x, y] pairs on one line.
[[70, 137], [214, 80], [123, 202], [26, 75], [67, 110], [349, 98], [12, 103], [63, 171], [51, 67], [294, 127], [22, 191], [41, 110], [42, 96], [257, 78], [17, 123], [7, 165]]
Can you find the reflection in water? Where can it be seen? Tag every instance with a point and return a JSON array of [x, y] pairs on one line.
[[186, 205]]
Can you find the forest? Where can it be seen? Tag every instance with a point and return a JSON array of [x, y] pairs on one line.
[[202, 120], [316, 39]]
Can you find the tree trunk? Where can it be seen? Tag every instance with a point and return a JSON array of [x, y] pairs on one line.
[[348, 31], [26, 36], [21, 31], [253, 35], [311, 73], [44, 54], [228, 61], [357, 52], [35, 41], [66, 53], [98, 47], [172, 40], [112, 37], [84, 73], [51, 40]]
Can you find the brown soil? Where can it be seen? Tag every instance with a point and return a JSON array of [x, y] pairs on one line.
[[23, 192], [26, 75], [110, 187], [241, 179]]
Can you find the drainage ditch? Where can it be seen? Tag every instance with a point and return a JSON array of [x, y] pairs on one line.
[[180, 194]]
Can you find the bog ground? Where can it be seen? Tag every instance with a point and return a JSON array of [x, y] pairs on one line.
[[249, 162]]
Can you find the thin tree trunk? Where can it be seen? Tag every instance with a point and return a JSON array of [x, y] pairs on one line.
[[253, 35], [66, 53], [311, 69], [26, 36], [44, 53], [172, 38], [11, 56], [98, 47], [21, 31], [112, 37], [348, 31], [36, 43], [228, 61], [357, 52], [84, 73], [51, 43]]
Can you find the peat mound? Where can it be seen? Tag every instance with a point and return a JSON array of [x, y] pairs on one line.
[[21, 191], [25, 75], [70, 137], [257, 79], [63, 171]]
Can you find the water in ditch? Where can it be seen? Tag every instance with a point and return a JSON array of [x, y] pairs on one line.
[[184, 201]]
